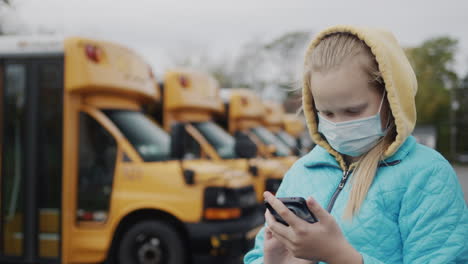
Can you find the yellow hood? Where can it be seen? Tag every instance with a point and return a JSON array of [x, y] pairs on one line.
[[400, 83]]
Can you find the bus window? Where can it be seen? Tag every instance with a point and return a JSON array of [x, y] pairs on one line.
[[49, 163], [13, 156], [149, 140], [97, 158], [269, 138], [192, 149], [218, 138]]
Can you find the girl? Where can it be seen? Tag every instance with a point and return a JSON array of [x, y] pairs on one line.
[[380, 197]]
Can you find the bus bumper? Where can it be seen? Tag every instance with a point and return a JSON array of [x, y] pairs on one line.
[[224, 241]]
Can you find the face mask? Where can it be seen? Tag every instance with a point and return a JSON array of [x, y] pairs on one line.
[[355, 137]]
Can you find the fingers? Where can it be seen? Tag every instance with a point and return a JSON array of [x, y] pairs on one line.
[[273, 225], [270, 220], [278, 230], [268, 234], [316, 209], [282, 210]]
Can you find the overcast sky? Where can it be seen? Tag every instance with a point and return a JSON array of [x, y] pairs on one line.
[[162, 30]]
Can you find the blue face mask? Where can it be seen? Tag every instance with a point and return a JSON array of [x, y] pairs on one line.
[[355, 137]]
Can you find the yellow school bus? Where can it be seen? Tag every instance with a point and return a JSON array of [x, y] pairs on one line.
[[190, 102], [245, 113], [294, 125], [274, 121], [87, 177]]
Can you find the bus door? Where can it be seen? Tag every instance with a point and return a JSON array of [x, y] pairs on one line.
[[31, 95]]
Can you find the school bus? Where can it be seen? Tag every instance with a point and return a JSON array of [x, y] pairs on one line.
[[274, 121], [294, 126], [190, 102], [244, 114], [86, 177]]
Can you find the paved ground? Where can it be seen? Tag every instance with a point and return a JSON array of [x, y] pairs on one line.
[[462, 172]]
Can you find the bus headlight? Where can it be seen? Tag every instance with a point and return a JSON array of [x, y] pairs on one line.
[[216, 197], [227, 203]]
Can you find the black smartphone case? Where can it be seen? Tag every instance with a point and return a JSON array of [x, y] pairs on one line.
[[297, 205]]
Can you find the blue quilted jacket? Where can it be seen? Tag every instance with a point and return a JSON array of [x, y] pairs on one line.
[[414, 211]]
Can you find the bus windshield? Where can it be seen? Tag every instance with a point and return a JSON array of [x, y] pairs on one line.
[[149, 140], [269, 138], [218, 138], [287, 139]]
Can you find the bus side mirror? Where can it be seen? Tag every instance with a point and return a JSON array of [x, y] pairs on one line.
[[178, 135], [245, 148]]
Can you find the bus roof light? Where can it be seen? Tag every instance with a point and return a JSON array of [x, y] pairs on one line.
[[93, 53], [244, 101], [183, 81]]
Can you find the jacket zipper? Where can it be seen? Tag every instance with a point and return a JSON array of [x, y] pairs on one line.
[[345, 178], [340, 187]]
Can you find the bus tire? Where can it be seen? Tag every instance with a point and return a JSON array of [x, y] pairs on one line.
[[152, 242]]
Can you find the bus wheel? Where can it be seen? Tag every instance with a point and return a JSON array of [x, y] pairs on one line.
[[152, 242]]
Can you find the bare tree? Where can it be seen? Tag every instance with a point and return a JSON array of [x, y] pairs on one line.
[[11, 21], [5, 6], [272, 68]]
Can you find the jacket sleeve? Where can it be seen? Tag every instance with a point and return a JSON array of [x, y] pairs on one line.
[[255, 255], [433, 218]]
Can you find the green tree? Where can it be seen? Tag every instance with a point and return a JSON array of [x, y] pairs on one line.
[[433, 62], [461, 117]]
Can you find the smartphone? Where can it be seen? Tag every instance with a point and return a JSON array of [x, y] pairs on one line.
[[297, 205]]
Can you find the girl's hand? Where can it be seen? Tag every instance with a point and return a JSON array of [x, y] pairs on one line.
[[275, 252], [322, 241]]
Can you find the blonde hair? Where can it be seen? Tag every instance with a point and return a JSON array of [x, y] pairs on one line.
[[332, 52]]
